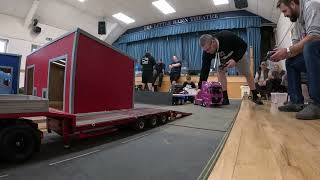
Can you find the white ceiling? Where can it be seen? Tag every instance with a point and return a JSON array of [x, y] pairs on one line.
[[68, 14]]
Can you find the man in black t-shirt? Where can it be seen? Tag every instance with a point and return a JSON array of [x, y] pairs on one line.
[[147, 63], [228, 49], [175, 70]]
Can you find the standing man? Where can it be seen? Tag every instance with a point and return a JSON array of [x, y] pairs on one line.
[[302, 56], [229, 49], [147, 63], [175, 70]]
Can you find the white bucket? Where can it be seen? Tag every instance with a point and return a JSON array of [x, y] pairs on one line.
[[245, 91], [279, 98]]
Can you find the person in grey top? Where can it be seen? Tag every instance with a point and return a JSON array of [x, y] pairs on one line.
[[302, 56]]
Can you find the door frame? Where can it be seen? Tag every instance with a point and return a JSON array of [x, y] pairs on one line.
[[63, 57], [26, 83]]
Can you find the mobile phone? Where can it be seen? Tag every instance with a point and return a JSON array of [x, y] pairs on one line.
[[269, 54]]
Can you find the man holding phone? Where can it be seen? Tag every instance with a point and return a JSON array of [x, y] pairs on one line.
[[302, 56]]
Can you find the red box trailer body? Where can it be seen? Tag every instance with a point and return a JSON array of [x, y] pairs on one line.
[[79, 73]]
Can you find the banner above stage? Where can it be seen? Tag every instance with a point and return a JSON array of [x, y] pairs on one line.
[[181, 21]]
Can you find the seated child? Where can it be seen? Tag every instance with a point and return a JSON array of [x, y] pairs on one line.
[[189, 84]]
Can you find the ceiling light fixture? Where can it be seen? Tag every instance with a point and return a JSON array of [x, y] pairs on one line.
[[164, 6], [220, 2], [124, 18], [82, 1]]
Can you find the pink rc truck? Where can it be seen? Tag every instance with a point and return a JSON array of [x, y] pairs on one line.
[[210, 94]]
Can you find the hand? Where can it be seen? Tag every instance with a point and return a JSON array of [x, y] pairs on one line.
[[230, 64], [170, 66], [260, 83], [264, 83], [279, 55]]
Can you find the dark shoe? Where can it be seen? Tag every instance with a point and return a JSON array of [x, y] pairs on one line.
[[310, 112], [225, 102], [291, 107], [257, 100]]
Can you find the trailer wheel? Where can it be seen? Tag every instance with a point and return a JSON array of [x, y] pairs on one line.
[[195, 102], [163, 119], [172, 117], [152, 122], [202, 104], [18, 143], [139, 125]]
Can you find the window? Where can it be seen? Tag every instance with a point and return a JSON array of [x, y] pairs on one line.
[[5, 76], [34, 47], [45, 93], [3, 45], [34, 93]]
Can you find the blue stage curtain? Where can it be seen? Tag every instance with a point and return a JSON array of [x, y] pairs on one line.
[[207, 25], [183, 40], [122, 47], [161, 48], [192, 52], [254, 41]]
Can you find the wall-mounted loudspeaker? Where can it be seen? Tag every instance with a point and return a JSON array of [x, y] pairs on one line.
[[101, 27], [36, 29], [241, 4]]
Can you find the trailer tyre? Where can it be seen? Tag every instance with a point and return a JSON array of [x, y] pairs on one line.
[[163, 119], [152, 122], [139, 125], [195, 102], [18, 143]]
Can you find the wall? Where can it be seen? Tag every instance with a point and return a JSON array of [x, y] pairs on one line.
[[21, 39], [112, 88], [283, 34]]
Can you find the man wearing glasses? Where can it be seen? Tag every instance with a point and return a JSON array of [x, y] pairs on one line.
[[228, 49]]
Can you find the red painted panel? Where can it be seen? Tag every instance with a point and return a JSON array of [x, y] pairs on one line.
[[41, 59], [104, 78]]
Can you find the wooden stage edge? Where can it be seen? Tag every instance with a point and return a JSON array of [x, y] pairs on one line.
[[266, 144]]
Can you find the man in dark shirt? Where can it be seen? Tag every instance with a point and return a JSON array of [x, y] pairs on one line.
[[147, 63], [175, 70], [228, 49]]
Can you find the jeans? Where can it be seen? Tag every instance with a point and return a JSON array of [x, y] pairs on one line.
[[308, 61]]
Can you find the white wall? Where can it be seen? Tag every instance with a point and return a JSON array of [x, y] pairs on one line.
[[283, 34], [20, 38]]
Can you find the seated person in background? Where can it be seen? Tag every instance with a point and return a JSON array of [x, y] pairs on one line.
[[147, 63], [261, 78], [158, 73], [189, 84], [278, 68], [175, 70], [275, 80]]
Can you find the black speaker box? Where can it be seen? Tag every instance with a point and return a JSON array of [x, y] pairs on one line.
[[36, 29], [241, 4], [101, 27]]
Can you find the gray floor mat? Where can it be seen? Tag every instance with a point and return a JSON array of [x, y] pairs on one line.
[[178, 150]]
